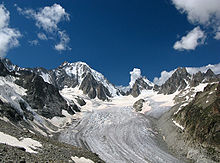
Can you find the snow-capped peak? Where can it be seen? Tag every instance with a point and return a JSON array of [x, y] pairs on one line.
[[78, 69]]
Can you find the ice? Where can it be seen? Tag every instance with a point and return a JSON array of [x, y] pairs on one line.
[[117, 135]]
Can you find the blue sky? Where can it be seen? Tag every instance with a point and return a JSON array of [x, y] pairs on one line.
[[115, 36]]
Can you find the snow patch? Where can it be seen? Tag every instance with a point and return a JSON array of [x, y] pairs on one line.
[[29, 144], [61, 121], [81, 160], [46, 77], [178, 125]]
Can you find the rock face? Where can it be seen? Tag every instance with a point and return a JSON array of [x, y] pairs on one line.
[[42, 96], [200, 77], [201, 118], [80, 75], [94, 89], [181, 78], [3, 70], [139, 85], [138, 105], [177, 81], [80, 101]]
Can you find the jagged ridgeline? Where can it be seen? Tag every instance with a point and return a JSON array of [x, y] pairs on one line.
[[31, 98]]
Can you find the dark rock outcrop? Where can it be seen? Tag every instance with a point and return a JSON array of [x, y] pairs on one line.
[[3, 70], [91, 87], [176, 82], [80, 101], [138, 105], [138, 86], [42, 96], [207, 77]]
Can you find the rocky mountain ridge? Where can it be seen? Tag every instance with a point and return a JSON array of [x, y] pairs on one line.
[[30, 98], [94, 84]]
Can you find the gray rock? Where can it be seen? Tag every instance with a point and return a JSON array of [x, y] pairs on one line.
[[42, 96], [138, 86], [138, 105], [80, 101], [176, 82]]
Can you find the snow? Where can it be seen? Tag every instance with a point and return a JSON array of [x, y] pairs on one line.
[[11, 93], [46, 77], [4, 119], [200, 87], [181, 107], [146, 107], [178, 125], [61, 121], [29, 144], [81, 160], [9, 82], [77, 70]]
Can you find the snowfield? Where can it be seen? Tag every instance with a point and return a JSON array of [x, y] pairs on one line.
[[29, 144]]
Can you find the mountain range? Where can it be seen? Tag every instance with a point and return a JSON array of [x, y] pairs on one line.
[[32, 98]]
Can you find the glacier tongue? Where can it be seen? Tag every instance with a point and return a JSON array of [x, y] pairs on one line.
[[118, 135]]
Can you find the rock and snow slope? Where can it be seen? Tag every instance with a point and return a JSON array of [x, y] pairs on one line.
[[100, 116]]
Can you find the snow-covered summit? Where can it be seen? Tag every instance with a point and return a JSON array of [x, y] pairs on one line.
[[79, 70]]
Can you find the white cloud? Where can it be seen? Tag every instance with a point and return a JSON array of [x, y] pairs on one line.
[[8, 36], [217, 35], [214, 68], [191, 70], [200, 11], [135, 74], [163, 78], [203, 12], [42, 36], [34, 42], [64, 40], [191, 40], [48, 18]]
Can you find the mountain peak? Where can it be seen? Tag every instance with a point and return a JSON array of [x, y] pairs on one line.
[[181, 71], [209, 72]]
